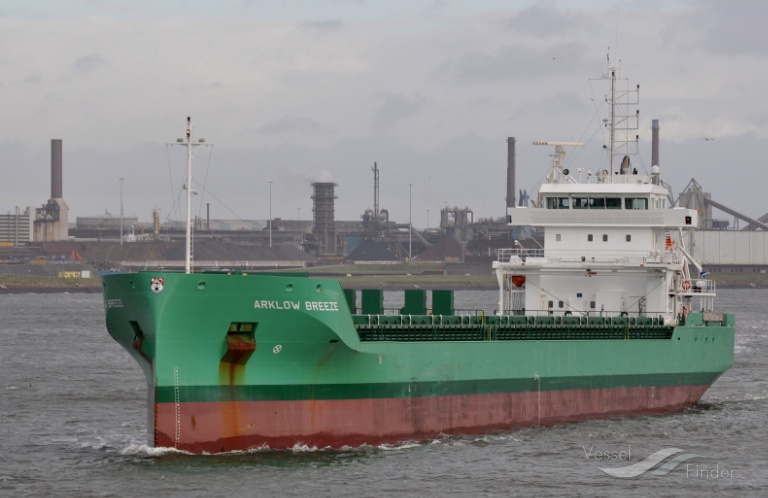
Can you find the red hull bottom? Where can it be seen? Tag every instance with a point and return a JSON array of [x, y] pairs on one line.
[[213, 427]]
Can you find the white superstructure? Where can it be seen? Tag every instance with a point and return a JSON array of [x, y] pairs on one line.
[[612, 247]]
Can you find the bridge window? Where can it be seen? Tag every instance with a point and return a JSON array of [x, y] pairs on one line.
[[589, 237], [612, 203], [629, 238], [597, 203], [635, 203], [558, 202]]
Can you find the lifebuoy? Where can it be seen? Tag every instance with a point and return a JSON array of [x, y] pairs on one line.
[[686, 285]]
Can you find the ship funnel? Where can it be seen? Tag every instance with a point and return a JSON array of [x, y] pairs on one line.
[[511, 172], [655, 167]]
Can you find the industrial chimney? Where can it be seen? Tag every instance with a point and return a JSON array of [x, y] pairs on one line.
[[52, 220], [324, 222], [510, 172], [56, 169]]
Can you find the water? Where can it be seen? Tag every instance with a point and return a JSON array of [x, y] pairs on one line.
[[73, 423]]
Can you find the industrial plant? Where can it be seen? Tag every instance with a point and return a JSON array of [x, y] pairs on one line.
[[45, 234]]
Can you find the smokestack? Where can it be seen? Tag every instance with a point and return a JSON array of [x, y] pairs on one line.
[[655, 167], [56, 167], [510, 172], [655, 143]]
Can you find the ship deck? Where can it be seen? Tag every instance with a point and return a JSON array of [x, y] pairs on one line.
[[507, 328]]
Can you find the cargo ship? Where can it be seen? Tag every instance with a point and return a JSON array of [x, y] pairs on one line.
[[611, 317]]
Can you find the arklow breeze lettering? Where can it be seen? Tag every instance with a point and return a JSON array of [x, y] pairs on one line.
[[265, 304]]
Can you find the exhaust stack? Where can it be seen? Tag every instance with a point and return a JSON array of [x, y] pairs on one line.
[[52, 220], [56, 169], [655, 168], [510, 172]]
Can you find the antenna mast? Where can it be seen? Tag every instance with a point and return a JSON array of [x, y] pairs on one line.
[[620, 117], [190, 192], [188, 246]]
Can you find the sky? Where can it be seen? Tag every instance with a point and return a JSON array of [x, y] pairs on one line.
[[293, 91]]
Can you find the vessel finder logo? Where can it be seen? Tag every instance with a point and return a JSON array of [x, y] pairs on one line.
[[643, 466], [672, 458]]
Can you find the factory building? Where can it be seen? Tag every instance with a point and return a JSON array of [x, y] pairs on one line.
[[49, 223], [18, 227]]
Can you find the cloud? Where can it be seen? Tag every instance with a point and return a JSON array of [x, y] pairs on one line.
[[511, 62], [394, 109], [336, 86], [324, 27], [735, 27], [88, 63], [321, 176], [290, 125], [543, 22], [211, 86], [560, 102], [759, 119]]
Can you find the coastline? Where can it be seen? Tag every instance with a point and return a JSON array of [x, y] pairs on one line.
[[387, 282], [38, 285]]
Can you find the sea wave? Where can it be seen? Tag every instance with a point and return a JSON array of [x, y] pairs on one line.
[[399, 446], [150, 451]]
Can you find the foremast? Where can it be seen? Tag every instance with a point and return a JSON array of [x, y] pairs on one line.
[[189, 144]]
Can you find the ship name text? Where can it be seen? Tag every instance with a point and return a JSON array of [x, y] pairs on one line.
[[266, 304]]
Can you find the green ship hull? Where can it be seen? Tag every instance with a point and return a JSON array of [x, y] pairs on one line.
[[235, 362]]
